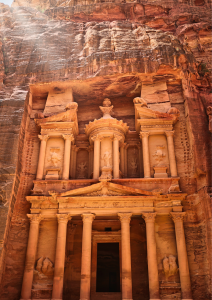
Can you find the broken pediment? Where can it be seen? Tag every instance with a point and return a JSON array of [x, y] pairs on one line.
[[104, 189], [149, 117]]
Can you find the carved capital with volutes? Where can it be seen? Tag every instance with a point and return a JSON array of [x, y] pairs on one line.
[[63, 218], [144, 134], [125, 217], [34, 218], [88, 217], [69, 137], [117, 137], [96, 137], [177, 216], [43, 137], [149, 217], [169, 133]]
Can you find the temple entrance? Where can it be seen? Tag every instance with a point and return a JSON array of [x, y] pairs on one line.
[[108, 268]]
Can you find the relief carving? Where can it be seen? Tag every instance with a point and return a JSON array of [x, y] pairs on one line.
[[159, 154], [82, 169], [107, 159], [170, 267], [44, 266], [55, 157], [106, 109]]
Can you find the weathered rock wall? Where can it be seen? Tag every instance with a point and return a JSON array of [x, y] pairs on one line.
[[161, 40]]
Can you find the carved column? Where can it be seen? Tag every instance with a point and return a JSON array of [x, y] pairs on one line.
[[86, 256], [182, 255], [42, 153], [116, 156], [67, 155], [122, 158], [126, 256], [152, 256], [172, 160], [30, 256], [57, 292], [76, 149], [146, 161], [96, 140], [140, 160]]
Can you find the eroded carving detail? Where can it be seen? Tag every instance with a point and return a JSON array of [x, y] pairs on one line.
[[170, 267], [82, 169]]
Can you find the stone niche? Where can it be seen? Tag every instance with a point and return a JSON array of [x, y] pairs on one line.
[[54, 158], [159, 160], [133, 162], [82, 164]]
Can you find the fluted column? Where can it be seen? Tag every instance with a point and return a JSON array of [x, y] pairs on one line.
[[86, 256], [122, 159], [182, 255], [152, 256], [42, 153], [57, 292], [146, 161], [96, 140], [30, 256], [172, 160], [126, 256], [67, 155], [116, 156]]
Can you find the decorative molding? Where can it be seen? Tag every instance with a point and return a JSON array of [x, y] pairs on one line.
[[125, 217], [149, 217]]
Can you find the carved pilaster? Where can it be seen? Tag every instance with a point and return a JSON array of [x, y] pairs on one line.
[[172, 160], [145, 144]]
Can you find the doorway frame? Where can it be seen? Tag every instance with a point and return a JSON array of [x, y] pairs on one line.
[[104, 237]]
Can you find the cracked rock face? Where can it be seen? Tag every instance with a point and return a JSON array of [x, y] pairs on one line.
[[117, 49]]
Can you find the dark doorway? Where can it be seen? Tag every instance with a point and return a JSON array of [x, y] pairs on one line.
[[108, 271]]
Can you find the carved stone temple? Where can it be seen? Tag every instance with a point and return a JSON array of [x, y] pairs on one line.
[[106, 214]]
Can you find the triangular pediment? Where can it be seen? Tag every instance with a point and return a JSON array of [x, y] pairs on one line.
[[105, 188]]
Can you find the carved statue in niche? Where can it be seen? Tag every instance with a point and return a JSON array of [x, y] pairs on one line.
[[133, 164], [169, 266], [159, 155], [44, 266], [82, 169], [107, 159], [55, 157]]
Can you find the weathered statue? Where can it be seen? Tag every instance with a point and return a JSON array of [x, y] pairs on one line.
[[159, 155], [106, 158], [134, 165], [106, 109], [169, 266], [139, 100], [54, 158], [82, 168], [44, 265]]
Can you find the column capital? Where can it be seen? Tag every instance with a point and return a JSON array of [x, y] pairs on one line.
[[149, 217], [43, 137], [63, 218], [169, 133], [125, 217], [34, 218], [96, 137], [144, 134], [88, 217], [117, 137], [177, 216], [68, 137]]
